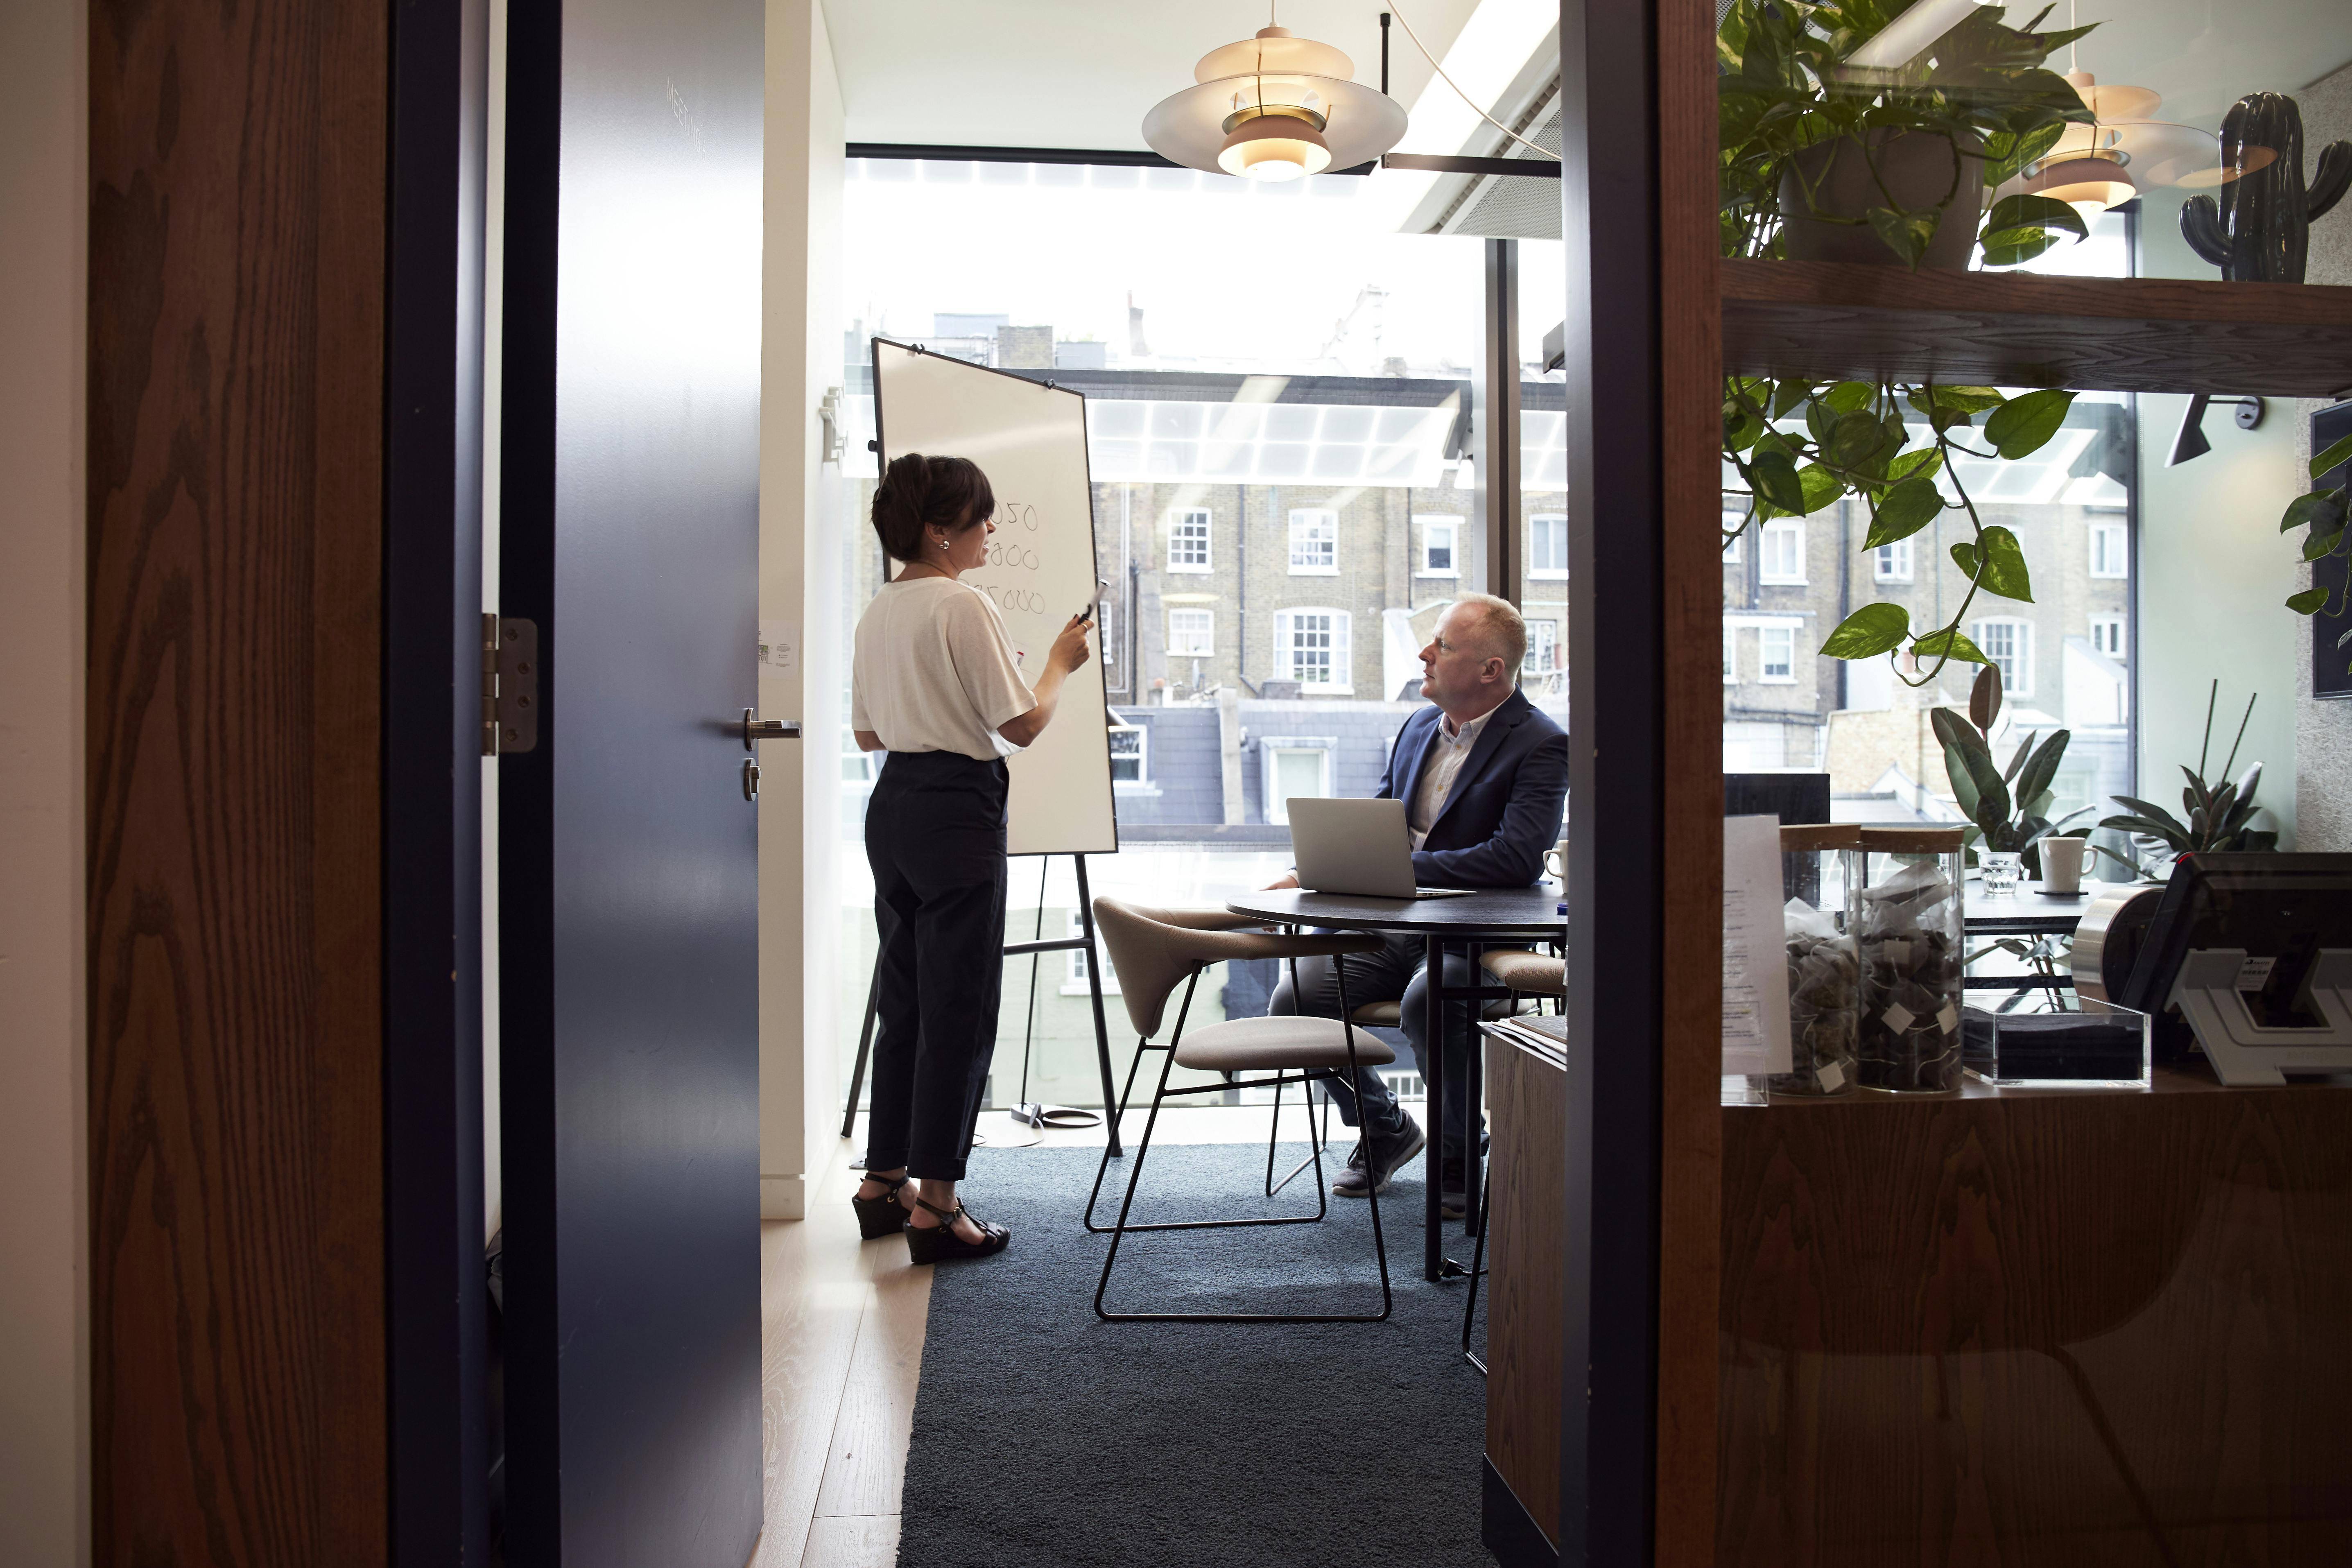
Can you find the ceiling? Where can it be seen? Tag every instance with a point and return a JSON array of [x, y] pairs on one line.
[[1079, 73]]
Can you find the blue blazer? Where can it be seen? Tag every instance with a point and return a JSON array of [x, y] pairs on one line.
[[1505, 809]]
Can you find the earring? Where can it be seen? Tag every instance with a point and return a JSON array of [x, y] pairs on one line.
[[941, 540]]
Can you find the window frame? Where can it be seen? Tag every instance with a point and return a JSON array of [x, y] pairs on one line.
[[2021, 655], [1764, 638], [1733, 516], [2120, 625], [1178, 516], [1273, 747], [1896, 553], [1206, 615], [1547, 640], [1546, 573], [1730, 653], [2101, 528], [1143, 733], [1786, 528], [1314, 517], [1451, 524], [1075, 960], [1343, 649]]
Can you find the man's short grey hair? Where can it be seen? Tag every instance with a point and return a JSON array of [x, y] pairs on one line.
[[1502, 631]]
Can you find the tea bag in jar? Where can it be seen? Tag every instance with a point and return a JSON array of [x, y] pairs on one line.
[[1824, 971], [1907, 924]]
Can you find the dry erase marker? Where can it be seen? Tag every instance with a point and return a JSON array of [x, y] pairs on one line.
[[1089, 613]]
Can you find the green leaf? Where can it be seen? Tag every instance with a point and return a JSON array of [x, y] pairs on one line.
[[1904, 511], [1964, 556], [2004, 564], [2339, 453], [2014, 247], [1924, 464], [1950, 642], [1821, 488], [1908, 233], [1774, 475], [1871, 630], [2033, 784], [2320, 544], [1984, 699], [2320, 508], [2035, 211], [1848, 396], [1969, 399], [1788, 396], [2306, 602], [2023, 424], [1853, 439]]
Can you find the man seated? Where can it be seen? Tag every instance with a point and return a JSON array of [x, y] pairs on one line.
[[1484, 777]]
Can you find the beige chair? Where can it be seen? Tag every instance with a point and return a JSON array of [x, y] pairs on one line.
[[1536, 974], [1153, 951]]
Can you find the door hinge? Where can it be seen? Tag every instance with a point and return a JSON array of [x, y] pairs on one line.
[[509, 685]]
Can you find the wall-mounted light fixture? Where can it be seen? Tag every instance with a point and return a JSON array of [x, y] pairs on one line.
[[2189, 440]]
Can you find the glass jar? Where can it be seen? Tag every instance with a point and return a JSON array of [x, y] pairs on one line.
[[1905, 916], [1817, 879]]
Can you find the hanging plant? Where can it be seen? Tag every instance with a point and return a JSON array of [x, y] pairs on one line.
[[2324, 512], [1785, 91]]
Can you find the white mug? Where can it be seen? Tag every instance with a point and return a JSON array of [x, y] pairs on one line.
[[1556, 860], [2062, 864]]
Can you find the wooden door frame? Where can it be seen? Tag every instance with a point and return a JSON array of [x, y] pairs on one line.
[[286, 1212], [1645, 874]]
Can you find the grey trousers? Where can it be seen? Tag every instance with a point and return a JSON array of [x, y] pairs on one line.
[[1393, 973]]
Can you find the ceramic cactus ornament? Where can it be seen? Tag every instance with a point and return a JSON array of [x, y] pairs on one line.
[[2259, 230]]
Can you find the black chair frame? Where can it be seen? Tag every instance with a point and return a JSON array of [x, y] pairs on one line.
[[1121, 1228]]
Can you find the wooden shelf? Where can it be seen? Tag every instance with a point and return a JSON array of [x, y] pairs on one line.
[[1838, 320]]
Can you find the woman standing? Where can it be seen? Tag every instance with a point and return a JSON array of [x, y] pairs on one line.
[[935, 682]]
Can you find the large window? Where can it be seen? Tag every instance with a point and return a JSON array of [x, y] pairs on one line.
[[2110, 554], [1777, 664], [1548, 545], [1192, 633], [1782, 559], [2008, 642], [1543, 648], [1441, 541], [1280, 502], [1188, 541], [1314, 543], [1310, 646]]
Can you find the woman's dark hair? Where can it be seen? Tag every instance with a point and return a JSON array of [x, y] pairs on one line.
[[919, 494]]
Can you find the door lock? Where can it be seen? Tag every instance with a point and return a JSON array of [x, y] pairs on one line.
[[758, 728], [751, 778]]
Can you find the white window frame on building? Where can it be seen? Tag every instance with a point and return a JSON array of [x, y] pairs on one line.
[[1730, 654], [1271, 750], [1782, 537], [1182, 538], [1074, 975], [1784, 637], [1548, 564], [1340, 648], [1735, 516], [1440, 534], [2110, 546], [1543, 648], [1314, 542], [2016, 659], [2107, 635], [1892, 563], [1195, 618], [1129, 742]]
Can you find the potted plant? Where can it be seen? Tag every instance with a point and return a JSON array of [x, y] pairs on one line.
[[2008, 808], [1894, 159], [2219, 814]]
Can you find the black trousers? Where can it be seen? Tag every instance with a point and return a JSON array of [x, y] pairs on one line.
[[1395, 972], [935, 837]]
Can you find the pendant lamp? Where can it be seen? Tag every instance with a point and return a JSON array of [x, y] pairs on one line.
[[1274, 106], [2100, 165]]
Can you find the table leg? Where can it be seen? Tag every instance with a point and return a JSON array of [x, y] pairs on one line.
[[1433, 1074], [1472, 1096]]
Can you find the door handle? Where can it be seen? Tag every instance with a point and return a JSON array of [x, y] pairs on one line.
[[758, 729]]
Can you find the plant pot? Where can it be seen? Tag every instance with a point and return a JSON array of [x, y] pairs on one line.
[[1917, 169]]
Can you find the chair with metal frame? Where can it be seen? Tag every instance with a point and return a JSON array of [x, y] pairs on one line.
[[1154, 949]]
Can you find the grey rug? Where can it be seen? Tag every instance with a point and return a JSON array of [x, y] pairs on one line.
[[1044, 1436]]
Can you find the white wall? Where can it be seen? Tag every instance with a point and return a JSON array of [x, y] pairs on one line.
[[2214, 576], [44, 1264], [800, 784]]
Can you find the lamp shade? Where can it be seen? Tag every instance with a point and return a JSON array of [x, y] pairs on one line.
[[2090, 184], [1274, 106]]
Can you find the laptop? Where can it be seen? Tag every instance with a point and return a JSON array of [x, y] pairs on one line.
[[1359, 848]]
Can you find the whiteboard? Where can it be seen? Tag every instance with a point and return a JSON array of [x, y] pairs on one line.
[[1030, 439]]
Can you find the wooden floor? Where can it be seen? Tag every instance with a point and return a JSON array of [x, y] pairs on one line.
[[842, 1334]]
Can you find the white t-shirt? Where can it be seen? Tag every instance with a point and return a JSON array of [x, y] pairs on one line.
[[934, 671]]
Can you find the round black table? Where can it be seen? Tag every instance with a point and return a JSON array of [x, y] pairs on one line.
[[1485, 917]]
